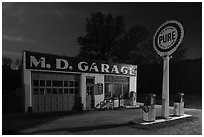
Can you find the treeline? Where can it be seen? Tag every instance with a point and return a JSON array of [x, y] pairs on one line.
[[185, 76], [11, 74], [11, 79]]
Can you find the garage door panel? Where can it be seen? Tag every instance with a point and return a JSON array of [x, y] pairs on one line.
[[59, 99], [71, 99], [35, 76], [54, 76], [46, 99], [48, 76], [65, 99], [42, 108], [42, 76], [42, 100], [59, 77], [35, 100], [66, 107], [54, 107], [71, 105], [54, 99], [35, 108], [48, 107], [60, 107]]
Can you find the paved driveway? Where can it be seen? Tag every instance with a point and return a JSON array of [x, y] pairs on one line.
[[104, 122]]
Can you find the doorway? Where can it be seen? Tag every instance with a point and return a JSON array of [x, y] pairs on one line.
[[90, 93]]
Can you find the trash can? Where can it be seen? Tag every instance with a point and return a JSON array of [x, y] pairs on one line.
[[132, 98], [149, 110], [178, 104]]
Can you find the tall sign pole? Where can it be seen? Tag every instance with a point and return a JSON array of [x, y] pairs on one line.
[[166, 40], [165, 88]]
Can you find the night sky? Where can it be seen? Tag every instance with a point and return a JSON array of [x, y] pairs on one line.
[[54, 27]]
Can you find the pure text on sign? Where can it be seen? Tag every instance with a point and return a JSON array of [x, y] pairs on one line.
[[167, 37]]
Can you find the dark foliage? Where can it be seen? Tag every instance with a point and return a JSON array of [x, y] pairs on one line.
[[11, 79], [107, 40], [185, 76], [102, 33]]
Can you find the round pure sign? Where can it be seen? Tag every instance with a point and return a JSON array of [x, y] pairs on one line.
[[168, 37]]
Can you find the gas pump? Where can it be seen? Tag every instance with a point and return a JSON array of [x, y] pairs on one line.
[[149, 110], [178, 104], [133, 98]]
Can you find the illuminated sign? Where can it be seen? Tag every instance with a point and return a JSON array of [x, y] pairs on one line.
[[168, 37], [39, 61]]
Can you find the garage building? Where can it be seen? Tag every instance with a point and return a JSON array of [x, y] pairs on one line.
[[59, 83]]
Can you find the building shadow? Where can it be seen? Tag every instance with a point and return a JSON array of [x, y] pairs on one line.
[[12, 123], [81, 129]]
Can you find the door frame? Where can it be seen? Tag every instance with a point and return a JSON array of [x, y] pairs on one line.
[[93, 93]]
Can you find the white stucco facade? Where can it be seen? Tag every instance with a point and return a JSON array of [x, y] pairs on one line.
[[80, 84]]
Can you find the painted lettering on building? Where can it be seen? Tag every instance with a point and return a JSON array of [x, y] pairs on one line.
[[39, 61]]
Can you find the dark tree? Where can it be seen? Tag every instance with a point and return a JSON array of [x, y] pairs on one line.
[[6, 63], [102, 34], [6, 72], [107, 40], [135, 47], [11, 74], [179, 54], [18, 63]]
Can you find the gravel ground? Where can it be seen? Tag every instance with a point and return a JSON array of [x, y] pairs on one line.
[[101, 122]]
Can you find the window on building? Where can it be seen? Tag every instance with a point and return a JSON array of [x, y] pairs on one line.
[[42, 91], [60, 91], [48, 91], [125, 91], [42, 82], [108, 90], [65, 83], [48, 83], [76, 90], [71, 83], [76, 84], [54, 90], [35, 91], [35, 83], [57, 83], [71, 90], [66, 91], [117, 89], [116, 86]]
